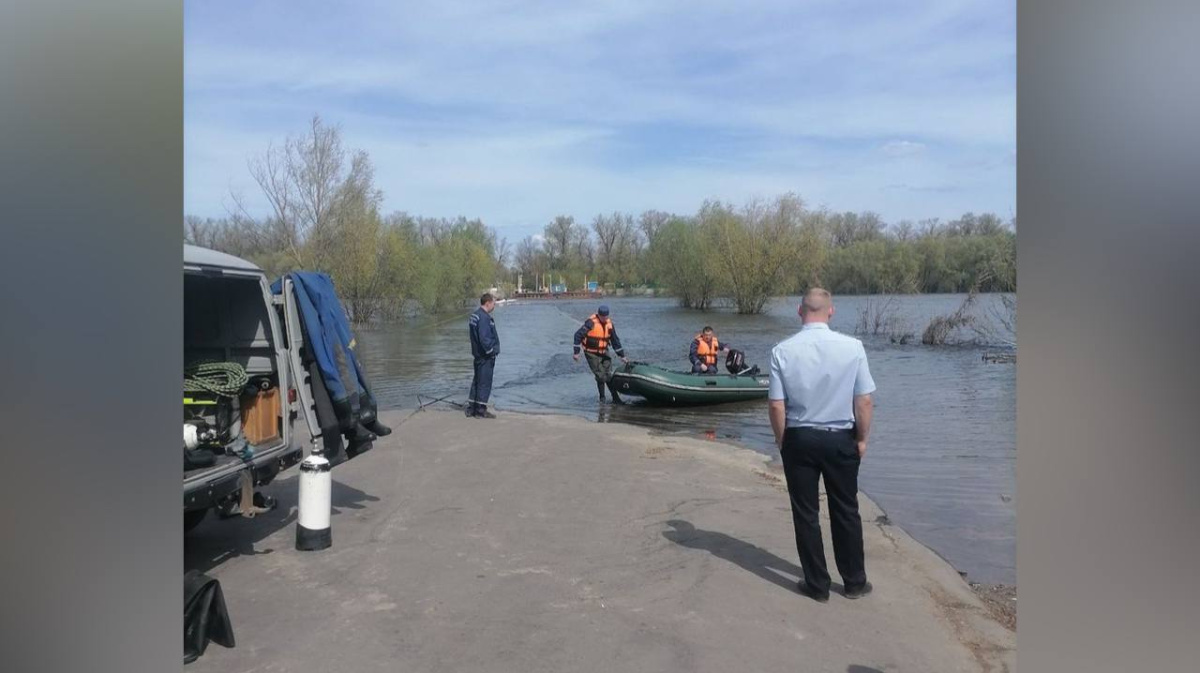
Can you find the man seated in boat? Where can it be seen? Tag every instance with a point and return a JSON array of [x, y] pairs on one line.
[[703, 355]]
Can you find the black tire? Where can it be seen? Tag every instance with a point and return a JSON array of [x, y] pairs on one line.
[[193, 518]]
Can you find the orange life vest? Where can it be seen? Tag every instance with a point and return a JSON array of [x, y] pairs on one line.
[[707, 352], [597, 338]]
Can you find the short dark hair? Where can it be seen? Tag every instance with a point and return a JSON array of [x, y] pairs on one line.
[[485, 298], [706, 330]]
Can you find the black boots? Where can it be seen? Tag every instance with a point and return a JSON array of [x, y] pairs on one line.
[[615, 397], [368, 416], [358, 441], [474, 410], [600, 386]]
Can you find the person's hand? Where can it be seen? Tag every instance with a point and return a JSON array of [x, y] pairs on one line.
[[624, 359], [576, 357], [703, 368], [862, 448]]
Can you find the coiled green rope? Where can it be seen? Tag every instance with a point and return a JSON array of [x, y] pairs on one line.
[[219, 378]]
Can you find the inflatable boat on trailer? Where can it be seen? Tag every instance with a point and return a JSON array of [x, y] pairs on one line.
[[664, 386]]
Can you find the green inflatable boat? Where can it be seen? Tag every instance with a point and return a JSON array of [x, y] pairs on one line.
[[679, 388]]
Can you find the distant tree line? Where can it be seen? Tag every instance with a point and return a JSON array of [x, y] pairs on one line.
[[325, 215], [743, 256]]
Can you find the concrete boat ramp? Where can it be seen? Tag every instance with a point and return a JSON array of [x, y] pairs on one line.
[[546, 543]]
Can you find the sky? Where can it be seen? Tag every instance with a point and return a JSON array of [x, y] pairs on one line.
[[515, 112]]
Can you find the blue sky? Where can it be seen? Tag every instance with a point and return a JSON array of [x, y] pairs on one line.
[[515, 112]]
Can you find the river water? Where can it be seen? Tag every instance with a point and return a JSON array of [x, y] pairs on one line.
[[942, 461]]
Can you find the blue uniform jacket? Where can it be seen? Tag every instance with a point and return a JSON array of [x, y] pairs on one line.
[[485, 341], [694, 354], [614, 340]]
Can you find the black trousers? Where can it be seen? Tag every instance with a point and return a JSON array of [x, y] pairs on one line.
[[481, 385], [808, 455]]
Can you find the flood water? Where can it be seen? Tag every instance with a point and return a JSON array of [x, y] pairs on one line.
[[942, 460]]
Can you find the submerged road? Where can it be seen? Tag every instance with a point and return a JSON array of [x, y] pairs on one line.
[[540, 543]]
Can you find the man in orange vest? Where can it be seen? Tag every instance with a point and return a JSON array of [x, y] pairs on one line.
[[704, 352], [595, 336]]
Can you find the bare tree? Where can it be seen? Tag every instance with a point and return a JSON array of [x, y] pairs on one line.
[[559, 235], [273, 177], [880, 315], [942, 327], [617, 245], [196, 232], [315, 165], [930, 227], [607, 234], [998, 325], [628, 245], [530, 258], [651, 222], [847, 228], [502, 254], [303, 180], [904, 231], [582, 248]]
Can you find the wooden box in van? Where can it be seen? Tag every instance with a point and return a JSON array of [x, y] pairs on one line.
[[261, 416]]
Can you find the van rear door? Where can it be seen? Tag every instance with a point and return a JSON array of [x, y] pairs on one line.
[[313, 403], [304, 378]]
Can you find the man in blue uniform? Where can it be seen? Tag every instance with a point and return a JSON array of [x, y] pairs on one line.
[[485, 346]]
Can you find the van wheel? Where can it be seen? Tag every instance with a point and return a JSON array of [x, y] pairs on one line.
[[193, 518]]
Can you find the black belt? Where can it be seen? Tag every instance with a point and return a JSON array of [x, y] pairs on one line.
[[822, 429]]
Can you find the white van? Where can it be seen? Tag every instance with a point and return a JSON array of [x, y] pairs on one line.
[[231, 316]]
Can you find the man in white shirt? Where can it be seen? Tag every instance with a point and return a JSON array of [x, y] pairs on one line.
[[820, 407]]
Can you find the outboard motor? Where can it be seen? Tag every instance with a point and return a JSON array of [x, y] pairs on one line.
[[735, 363]]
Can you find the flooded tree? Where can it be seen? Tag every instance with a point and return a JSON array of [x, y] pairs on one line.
[[683, 265], [348, 248], [940, 328], [998, 325], [760, 250]]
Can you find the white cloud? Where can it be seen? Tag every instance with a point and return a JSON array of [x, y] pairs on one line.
[[902, 148]]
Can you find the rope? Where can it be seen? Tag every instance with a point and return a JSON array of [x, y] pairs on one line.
[[225, 379], [422, 405]]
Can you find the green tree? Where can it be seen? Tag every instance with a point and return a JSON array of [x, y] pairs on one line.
[[678, 259], [761, 250]]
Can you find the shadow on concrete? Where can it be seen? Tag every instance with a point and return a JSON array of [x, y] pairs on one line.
[[750, 557], [855, 668], [216, 540]]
